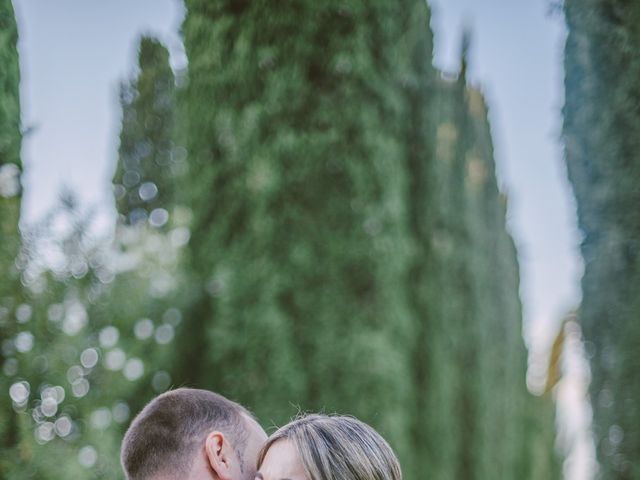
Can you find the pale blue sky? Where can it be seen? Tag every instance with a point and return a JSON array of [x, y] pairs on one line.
[[74, 53]]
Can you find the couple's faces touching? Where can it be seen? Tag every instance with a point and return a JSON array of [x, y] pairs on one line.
[[282, 462]]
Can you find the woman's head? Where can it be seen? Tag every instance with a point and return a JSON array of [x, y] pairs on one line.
[[321, 447]]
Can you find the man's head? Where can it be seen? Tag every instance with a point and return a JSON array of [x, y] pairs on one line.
[[192, 434]]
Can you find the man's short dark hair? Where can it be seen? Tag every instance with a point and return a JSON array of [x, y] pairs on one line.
[[166, 435]]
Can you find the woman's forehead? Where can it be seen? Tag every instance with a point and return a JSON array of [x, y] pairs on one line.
[[282, 461]]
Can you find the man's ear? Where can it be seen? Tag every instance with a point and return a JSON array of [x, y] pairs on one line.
[[219, 455]]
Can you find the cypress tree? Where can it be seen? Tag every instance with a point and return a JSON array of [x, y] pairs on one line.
[[152, 226], [449, 330], [475, 358], [10, 143], [148, 160], [506, 412], [297, 189], [10, 195], [602, 141]]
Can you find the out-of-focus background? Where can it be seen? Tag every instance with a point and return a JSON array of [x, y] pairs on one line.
[[382, 209]]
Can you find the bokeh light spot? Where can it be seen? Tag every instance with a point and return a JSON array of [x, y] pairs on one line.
[[133, 369], [101, 418], [87, 456], [148, 191], [75, 319], [24, 313], [120, 412], [173, 316], [158, 217], [80, 387], [63, 426], [164, 334], [89, 358], [19, 392], [49, 406], [74, 373], [161, 381], [115, 359], [44, 432], [143, 329], [24, 342], [109, 336]]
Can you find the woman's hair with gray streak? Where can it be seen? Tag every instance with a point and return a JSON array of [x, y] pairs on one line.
[[338, 447]]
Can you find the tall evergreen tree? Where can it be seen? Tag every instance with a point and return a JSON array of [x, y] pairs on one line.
[[297, 187], [10, 143], [476, 414], [602, 145], [506, 413], [152, 227], [10, 194], [149, 161]]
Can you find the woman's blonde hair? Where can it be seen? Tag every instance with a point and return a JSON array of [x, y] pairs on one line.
[[338, 447]]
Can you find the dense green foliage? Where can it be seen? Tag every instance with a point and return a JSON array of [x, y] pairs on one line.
[[297, 189], [479, 421], [602, 144], [52, 381], [93, 323], [10, 142], [328, 235], [10, 167]]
